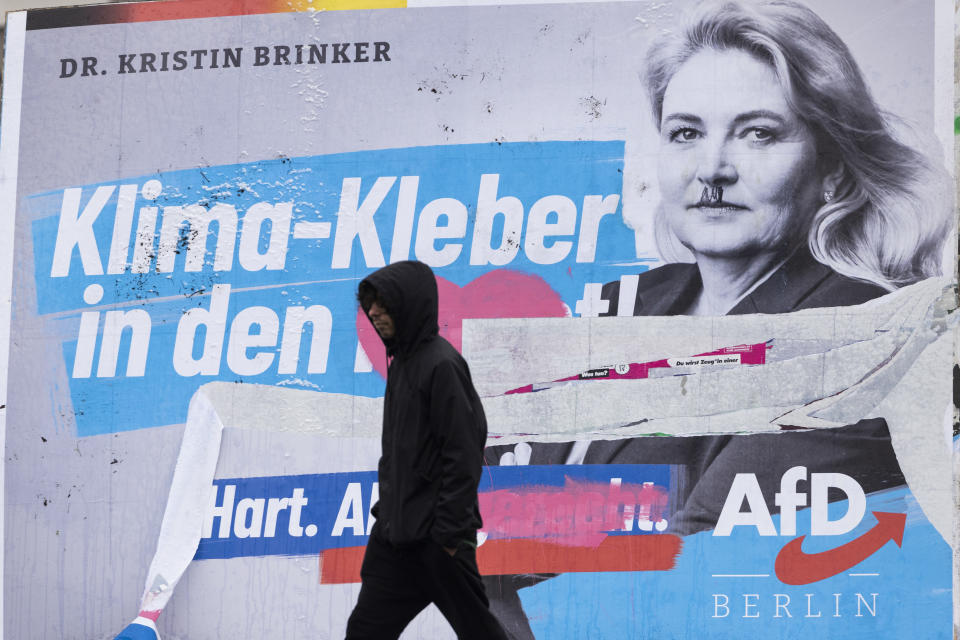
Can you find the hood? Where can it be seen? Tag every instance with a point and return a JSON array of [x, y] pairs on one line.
[[409, 291]]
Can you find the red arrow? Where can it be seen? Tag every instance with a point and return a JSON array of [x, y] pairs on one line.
[[793, 566]]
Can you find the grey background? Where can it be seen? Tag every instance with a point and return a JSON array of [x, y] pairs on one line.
[[82, 514]]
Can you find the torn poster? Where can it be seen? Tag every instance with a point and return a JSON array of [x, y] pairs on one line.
[[699, 256]]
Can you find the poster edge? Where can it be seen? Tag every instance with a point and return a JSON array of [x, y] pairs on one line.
[[9, 158], [946, 35]]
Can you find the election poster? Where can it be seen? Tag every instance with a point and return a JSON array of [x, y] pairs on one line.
[[699, 256]]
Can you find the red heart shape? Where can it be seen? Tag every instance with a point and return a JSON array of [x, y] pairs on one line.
[[498, 294]]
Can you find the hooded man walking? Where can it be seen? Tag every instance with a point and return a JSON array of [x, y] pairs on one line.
[[422, 548]]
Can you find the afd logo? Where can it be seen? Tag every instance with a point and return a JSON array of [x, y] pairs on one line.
[[793, 565]]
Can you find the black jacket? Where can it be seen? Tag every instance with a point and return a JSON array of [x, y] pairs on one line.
[[800, 283], [434, 427]]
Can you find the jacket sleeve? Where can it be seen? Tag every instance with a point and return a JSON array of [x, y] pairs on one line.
[[459, 426]]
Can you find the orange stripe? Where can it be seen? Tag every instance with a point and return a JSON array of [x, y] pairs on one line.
[[187, 9], [507, 557]]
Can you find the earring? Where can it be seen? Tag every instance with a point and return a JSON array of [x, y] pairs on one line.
[[827, 196]]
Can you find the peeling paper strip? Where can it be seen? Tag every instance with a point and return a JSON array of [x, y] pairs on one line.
[[246, 406], [180, 530], [916, 423], [862, 364], [863, 370], [487, 344], [721, 359], [856, 401]]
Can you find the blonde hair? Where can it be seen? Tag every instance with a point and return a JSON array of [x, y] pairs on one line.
[[891, 211]]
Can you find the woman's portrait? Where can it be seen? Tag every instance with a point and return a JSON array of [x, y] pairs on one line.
[[783, 187]]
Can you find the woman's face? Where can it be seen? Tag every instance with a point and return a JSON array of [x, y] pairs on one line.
[[727, 124]]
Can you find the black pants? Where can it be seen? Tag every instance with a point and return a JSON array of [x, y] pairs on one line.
[[398, 583]]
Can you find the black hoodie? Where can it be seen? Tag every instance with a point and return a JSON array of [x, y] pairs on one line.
[[434, 429]]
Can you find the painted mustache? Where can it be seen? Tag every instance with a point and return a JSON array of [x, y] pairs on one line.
[[711, 196]]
